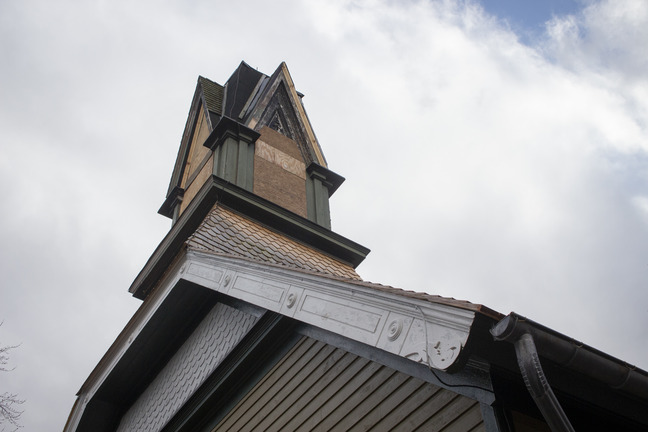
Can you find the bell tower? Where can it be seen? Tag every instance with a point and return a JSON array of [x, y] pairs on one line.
[[253, 132]]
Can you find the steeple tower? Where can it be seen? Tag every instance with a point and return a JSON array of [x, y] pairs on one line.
[[251, 181], [254, 133]]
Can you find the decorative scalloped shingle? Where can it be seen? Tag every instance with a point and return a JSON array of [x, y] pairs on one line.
[[226, 232], [218, 333]]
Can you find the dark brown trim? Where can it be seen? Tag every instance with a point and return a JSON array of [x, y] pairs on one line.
[[170, 203]]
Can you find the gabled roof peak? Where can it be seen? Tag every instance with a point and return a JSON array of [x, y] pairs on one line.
[[279, 92]]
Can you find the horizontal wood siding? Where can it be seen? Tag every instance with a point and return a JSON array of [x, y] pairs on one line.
[[317, 387]]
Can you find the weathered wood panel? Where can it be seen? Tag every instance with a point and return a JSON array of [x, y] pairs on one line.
[[198, 167], [197, 151], [317, 387], [280, 171], [197, 182]]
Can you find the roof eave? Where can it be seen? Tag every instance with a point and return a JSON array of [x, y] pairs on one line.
[[218, 190]]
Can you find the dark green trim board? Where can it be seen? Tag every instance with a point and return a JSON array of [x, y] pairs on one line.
[[171, 202], [329, 179], [238, 199], [320, 185], [229, 128], [233, 147]]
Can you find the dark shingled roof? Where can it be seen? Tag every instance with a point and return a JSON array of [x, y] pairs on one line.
[[239, 88], [229, 233], [213, 94]]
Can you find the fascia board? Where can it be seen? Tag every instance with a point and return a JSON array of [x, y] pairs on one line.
[[123, 342], [422, 331], [185, 141]]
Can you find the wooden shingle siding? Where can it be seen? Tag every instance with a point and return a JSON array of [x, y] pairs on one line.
[[317, 387], [219, 332], [227, 232]]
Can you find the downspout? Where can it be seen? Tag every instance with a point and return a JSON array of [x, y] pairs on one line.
[[531, 369]]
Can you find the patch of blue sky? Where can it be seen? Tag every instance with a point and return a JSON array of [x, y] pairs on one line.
[[527, 18]]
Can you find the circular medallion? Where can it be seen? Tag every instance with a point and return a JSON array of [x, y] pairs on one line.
[[291, 300], [394, 330]]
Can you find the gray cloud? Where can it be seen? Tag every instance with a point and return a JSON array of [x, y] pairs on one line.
[[477, 167]]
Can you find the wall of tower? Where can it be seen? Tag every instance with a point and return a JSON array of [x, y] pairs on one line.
[[280, 171]]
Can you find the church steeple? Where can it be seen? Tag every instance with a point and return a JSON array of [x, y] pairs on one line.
[[253, 132], [251, 175]]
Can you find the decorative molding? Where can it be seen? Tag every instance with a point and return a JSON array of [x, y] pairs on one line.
[[277, 124], [425, 332], [394, 330], [291, 300]]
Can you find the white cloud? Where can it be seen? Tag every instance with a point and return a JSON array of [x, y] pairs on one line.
[[484, 166], [481, 168]]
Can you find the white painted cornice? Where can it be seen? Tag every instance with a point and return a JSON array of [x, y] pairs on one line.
[[417, 329]]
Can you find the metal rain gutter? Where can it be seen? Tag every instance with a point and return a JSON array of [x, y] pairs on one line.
[[512, 330], [566, 352], [538, 386]]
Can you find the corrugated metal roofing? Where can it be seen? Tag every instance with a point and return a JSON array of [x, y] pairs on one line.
[[213, 93], [224, 231]]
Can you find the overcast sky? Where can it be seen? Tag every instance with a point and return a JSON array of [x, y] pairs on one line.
[[492, 153]]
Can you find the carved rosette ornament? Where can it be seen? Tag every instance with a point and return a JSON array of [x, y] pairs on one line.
[[291, 300], [394, 330]]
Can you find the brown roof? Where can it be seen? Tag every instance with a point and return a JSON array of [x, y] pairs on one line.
[[226, 232], [433, 298]]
